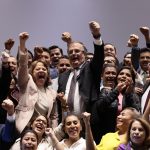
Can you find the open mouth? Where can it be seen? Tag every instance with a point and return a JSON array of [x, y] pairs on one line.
[[145, 64], [39, 127], [122, 80], [55, 60], [41, 76], [119, 121], [110, 79], [29, 147]]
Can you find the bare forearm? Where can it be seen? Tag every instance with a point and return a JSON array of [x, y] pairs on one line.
[[56, 144], [89, 138]]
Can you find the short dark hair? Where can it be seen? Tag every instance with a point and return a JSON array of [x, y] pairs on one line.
[[111, 45], [126, 54], [53, 47], [145, 49], [28, 131], [109, 65], [45, 49]]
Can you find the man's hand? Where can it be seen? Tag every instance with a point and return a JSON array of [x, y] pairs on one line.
[[66, 37], [133, 40], [63, 100], [23, 36], [95, 29], [8, 106], [9, 44], [145, 31]]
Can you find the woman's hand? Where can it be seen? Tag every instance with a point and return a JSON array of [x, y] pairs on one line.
[[86, 117], [23, 38]]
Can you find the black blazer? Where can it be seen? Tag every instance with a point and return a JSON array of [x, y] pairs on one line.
[[4, 89], [89, 78], [104, 114]]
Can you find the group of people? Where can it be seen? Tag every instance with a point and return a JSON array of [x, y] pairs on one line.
[[85, 101]]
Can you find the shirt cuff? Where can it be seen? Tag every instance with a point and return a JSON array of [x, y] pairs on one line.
[[11, 118], [98, 41]]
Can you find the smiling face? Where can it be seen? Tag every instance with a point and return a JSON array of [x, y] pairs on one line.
[[109, 76], [124, 119], [72, 127], [109, 50], [64, 65], [39, 125], [137, 133], [76, 54], [127, 60], [29, 141], [45, 56], [125, 76], [144, 60], [40, 74], [55, 54]]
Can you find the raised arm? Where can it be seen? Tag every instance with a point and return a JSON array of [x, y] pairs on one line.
[[55, 142], [88, 133], [8, 131], [135, 51], [145, 32], [23, 62], [98, 58]]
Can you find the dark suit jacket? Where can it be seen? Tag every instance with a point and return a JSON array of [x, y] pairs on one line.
[[4, 89], [89, 78], [147, 84], [7, 134], [104, 114]]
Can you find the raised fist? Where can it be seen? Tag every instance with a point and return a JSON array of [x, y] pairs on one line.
[[9, 44], [144, 31], [133, 40], [95, 28], [23, 36], [8, 105], [66, 37]]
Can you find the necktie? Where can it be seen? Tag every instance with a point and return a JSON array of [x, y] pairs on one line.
[[147, 99], [72, 91], [144, 77]]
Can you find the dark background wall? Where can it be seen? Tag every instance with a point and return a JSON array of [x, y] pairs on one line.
[[45, 20]]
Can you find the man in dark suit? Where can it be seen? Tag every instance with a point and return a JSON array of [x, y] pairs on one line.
[[88, 73], [146, 93]]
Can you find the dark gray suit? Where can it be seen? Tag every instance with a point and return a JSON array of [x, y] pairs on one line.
[[89, 78]]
